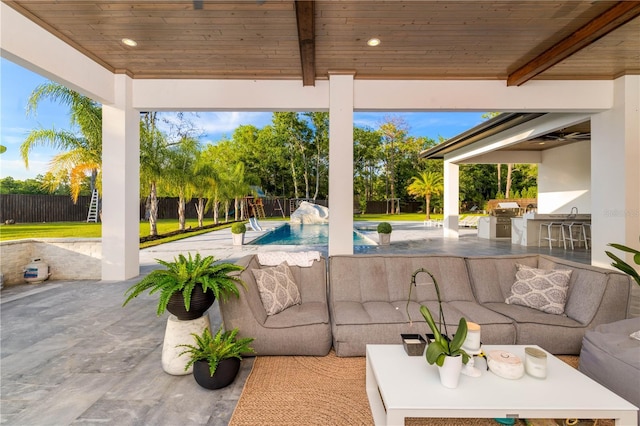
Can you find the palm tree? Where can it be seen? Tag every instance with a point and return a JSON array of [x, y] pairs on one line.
[[238, 187], [205, 181], [179, 175], [153, 161], [425, 185], [82, 151]]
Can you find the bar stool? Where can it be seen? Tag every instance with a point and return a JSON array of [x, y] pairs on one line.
[[586, 233], [573, 232], [549, 228]]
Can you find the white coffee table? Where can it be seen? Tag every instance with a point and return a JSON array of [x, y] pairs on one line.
[[400, 386]]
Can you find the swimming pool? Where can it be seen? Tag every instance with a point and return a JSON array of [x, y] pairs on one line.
[[296, 234]]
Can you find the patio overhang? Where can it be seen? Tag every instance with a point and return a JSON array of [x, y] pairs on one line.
[[253, 56]]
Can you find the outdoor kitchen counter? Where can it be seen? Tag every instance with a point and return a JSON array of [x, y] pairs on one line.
[[525, 230]]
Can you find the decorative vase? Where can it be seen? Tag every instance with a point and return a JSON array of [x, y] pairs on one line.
[[238, 239], [450, 371], [200, 302], [225, 374], [384, 239]]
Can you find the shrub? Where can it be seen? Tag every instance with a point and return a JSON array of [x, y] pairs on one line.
[[384, 228], [238, 228]]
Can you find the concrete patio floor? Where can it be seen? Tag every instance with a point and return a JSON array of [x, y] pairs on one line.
[[71, 354]]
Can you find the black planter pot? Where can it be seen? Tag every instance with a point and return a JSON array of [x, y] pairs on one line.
[[225, 373], [200, 302]]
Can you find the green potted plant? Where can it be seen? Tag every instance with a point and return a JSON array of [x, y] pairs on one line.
[[623, 266], [189, 285], [446, 353], [216, 359], [384, 233], [238, 229]]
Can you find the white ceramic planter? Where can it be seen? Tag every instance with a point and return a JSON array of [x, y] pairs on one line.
[[384, 239], [450, 371], [238, 239]]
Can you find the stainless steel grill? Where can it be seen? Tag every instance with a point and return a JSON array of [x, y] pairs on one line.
[[503, 216]]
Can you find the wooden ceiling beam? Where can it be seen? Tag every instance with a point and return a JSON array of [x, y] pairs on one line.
[[306, 39], [613, 18]]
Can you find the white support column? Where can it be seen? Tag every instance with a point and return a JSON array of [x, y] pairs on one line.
[[340, 164], [120, 184], [451, 199], [615, 175]]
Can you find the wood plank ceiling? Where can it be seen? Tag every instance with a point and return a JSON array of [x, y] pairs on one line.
[[512, 41]]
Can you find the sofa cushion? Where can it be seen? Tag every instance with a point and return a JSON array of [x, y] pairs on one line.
[[541, 289], [588, 283], [278, 290], [523, 314], [377, 278], [492, 277], [299, 316]]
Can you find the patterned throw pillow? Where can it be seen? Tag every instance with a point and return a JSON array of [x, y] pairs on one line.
[[277, 288], [541, 289]]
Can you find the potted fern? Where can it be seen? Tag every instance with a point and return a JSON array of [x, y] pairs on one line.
[[238, 229], [384, 233], [189, 285], [216, 359]]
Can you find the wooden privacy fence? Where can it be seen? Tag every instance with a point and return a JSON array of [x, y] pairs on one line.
[[43, 208], [380, 207], [24, 208], [60, 208]]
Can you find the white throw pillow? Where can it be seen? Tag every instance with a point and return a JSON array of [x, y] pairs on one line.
[[278, 290], [541, 289]]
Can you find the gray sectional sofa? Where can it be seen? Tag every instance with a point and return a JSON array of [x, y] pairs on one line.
[[364, 301], [302, 329], [368, 295]]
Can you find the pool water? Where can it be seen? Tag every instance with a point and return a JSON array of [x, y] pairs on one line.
[[296, 234]]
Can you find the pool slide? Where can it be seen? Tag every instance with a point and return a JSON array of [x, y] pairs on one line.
[[253, 223]]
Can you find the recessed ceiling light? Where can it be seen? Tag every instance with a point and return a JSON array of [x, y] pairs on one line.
[[373, 42], [129, 42]]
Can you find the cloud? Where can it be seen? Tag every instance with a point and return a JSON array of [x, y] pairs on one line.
[[16, 169], [216, 125], [14, 136]]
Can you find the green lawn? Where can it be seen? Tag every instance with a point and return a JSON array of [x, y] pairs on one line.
[[94, 230], [81, 229]]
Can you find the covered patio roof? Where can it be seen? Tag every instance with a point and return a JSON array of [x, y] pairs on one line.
[[539, 142], [512, 41], [574, 61]]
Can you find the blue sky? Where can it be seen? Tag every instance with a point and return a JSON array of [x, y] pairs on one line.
[[17, 84]]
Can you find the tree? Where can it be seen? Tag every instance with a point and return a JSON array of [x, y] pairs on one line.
[[222, 159], [477, 183], [393, 133], [179, 175], [295, 134], [153, 162], [81, 151], [320, 122], [367, 161], [426, 185], [205, 178]]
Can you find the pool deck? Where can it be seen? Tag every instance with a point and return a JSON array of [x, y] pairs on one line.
[[407, 237], [71, 354]]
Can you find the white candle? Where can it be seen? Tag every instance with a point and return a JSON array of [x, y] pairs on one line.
[[472, 342]]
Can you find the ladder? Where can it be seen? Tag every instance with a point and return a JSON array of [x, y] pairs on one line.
[[93, 207], [259, 209]]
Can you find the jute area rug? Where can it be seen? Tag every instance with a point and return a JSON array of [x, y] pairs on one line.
[[327, 391]]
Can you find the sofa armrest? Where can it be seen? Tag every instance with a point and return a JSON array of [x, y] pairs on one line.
[[237, 311]]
